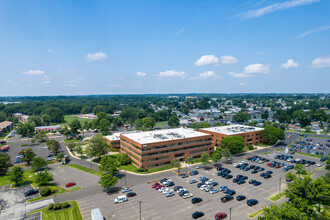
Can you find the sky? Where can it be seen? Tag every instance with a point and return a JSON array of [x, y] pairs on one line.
[[89, 47]]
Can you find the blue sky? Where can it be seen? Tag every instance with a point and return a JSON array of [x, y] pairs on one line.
[[68, 47]]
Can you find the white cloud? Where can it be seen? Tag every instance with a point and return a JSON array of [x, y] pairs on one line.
[[228, 60], [50, 50], [275, 7], [207, 60], [251, 70], [289, 64], [141, 74], [321, 62], [314, 31], [172, 73], [33, 72], [242, 84], [206, 74], [95, 56]]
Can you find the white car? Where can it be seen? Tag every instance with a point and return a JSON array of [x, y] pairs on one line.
[[235, 164], [208, 188], [209, 181], [120, 199], [179, 190], [192, 181], [319, 164], [203, 187], [240, 163], [168, 194], [187, 195], [162, 189], [167, 181], [167, 191]]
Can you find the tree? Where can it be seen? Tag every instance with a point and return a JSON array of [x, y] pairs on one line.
[[41, 136], [35, 119], [174, 121], [242, 117], [138, 124], [4, 163], [75, 126], [25, 129], [302, 117], [79, 150], [300, 168], [148, 122], [97, 146], [16, 175], [284, 211], [176, 163], [54, 146], [216, 155], [124, 159], [71, 146], [65, 131], [38, 163], [321, 115], [199, 125], [44, 178], [105, 126], [45, 119], [205, 158], [234, 143], [56, 115], [107, 181], [226, 153], [189, 160], [109, 165], [265, 115], [270, 135], [28, 155]]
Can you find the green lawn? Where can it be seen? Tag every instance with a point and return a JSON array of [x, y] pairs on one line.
[[56, 190], [320, 168], [253, 215], [27, 179], [5, 135], [279, 149], [72, 141], [133, 168], [318, 136], [85, 169], [309, 174], [277, 197], [72, 213], [262, 145], [309, 155], [70, 118]]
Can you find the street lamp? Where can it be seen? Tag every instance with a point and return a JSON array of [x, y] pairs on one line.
[[230, 213], [140, 209]]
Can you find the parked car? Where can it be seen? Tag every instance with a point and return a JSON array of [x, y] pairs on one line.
[[184, 175], [163, 180], [227, 198], [199, 185], [126, 189], [231, 192], [240, 197], [155, 185], [168, 194], [31, 192], [194, 173], [191, 181], [199, 167], [196, 200], [197, 214], [252, 202], [257, 183], [169, 184], [220, 215], [252, 181], [120, 199], [213, 191], [187, 195], [131, 194], [70, 184]]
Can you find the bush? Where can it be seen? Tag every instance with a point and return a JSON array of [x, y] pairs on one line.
[[142, 169], [250, 147], [57, 206], [51, 206], [44, 191], [59, 156], [65, 205]]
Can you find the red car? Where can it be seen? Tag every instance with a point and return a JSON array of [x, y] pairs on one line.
[[154, 185], [70, 184], [158, 187], [268, 164], [220, 215]]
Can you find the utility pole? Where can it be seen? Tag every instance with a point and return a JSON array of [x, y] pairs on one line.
[[279, 186], [140, 210], [230, 213]]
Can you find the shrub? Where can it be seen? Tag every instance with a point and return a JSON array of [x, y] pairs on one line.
[[65, 205], [57, 206], [250, 147], [44, 191], [51, 206], [142, 169]]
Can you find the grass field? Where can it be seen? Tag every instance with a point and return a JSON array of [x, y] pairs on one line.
[[255, 214], [70, 118], [85, 169], [72, 213], [277, 197], [133, 168], [28, 179]]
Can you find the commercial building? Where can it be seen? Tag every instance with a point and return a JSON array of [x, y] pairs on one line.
[[113, 140], [21, 117], [48, 128], [5, 126], [251, 135], [157, 148]]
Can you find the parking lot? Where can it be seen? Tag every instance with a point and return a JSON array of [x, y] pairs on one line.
[[312, 145]]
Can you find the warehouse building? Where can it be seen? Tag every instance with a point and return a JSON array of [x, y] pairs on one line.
[[158, 148], [251, 135]]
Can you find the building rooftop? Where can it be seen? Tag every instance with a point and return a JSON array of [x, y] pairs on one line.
[[149, 137], [232, 129]]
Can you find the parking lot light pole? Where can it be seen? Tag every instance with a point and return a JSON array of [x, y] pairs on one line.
[[140, 209], [230, 213]]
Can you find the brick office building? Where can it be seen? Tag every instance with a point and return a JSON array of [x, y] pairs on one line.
[[113, 140], [251, 135], [157, 148]]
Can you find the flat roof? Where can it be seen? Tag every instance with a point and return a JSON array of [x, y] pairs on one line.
[[232, 129], [149, 137]]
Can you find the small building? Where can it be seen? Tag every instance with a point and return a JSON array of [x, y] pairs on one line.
[[21, 117], [48, 128], [5, 126], [158, 148], [251, 135], [88, 116]]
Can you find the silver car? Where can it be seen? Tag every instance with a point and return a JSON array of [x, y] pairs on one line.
[[212, 191]]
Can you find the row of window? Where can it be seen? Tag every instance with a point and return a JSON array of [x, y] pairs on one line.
[[158, 158], [175, 150]]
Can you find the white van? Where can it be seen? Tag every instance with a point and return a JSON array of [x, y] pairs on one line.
[[96, 214], [120, 199]]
